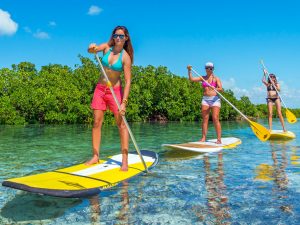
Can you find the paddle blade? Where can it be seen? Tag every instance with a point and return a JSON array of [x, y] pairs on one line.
[[264, 172], [291, 118], [260, 131]]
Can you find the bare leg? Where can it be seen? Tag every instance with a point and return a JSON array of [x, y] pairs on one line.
[[124, 138], [270, 113], [278, 107], [216, 121], [205, 117], [96, 136]]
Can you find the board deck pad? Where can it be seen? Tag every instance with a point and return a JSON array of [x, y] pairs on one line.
[[205, 147], [84, 180], [281, 135]]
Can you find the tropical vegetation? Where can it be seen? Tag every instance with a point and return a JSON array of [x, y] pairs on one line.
[[58, 94]]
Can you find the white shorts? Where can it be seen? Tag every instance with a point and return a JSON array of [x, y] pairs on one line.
[[211, 101]]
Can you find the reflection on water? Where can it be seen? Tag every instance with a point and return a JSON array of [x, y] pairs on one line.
[[280, 176], [255, 183], [31, 207], [122, 216], [217, 200], [295, 156], [218, 210], [95, 209], [276, 173], [280, 163]]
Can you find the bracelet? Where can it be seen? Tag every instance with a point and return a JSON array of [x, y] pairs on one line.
[[125, 101]]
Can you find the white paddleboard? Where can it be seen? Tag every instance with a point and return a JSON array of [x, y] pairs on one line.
[[208, 146], [281, 135]]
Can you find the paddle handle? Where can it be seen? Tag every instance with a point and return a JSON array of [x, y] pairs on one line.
[[264, 67], [246, 118], [123, 117]]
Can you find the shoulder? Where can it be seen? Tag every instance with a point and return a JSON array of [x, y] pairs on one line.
[[105, 47], [216, 78], [126, 58]]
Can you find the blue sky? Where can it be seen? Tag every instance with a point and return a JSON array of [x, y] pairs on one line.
[[233, 34]]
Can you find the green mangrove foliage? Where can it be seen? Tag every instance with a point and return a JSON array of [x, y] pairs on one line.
[[57, 94]]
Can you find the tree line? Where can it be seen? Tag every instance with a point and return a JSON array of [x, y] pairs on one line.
[[58, 94]]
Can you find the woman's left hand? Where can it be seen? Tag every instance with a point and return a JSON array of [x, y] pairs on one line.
[[265, 72]]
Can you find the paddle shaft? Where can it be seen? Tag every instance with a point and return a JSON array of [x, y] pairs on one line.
[[246, 118], [123, 117], [262, 63]]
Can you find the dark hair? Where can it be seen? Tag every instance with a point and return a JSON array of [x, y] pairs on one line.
[[270, 76], [127, 46]]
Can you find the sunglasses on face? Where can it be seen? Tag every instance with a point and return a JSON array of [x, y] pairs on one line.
[[209, 68], [121, 36]]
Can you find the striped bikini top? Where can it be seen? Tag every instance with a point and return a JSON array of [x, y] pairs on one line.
[[117, 66]]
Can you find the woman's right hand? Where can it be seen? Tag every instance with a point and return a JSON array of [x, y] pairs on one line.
[[189, 67], [92, 48]]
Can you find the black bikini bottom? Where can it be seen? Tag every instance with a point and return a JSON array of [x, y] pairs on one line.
[[273, 100]]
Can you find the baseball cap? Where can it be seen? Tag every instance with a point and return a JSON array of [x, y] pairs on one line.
[[209, 64]]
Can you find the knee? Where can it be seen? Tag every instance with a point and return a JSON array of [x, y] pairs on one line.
[[215, 119], [121, 125], [97, 124], [205, 117]]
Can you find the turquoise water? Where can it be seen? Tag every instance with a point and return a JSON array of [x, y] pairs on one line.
[[255, 183]]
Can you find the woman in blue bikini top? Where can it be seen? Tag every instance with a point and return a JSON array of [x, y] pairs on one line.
[[116, 66], [117, 58]]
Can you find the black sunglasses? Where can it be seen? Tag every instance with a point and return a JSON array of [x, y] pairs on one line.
[[209, 68], [121, 36]]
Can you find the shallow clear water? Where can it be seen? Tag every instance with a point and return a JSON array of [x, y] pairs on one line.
[[255, 183]]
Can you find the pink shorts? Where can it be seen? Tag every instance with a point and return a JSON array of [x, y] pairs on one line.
[[103, 98]]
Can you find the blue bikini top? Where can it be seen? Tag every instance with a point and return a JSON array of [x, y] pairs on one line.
[[117, 66]]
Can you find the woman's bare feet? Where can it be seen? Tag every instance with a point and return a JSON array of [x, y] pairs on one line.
[[202, 140], [124, 166], [219, 142], [93, 160]]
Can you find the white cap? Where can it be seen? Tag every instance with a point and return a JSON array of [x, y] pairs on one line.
[[209, 64]]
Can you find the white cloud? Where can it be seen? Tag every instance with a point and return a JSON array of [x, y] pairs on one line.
[[238, 92], [7, 25], [41, 35], [52, 24], [94, 10]]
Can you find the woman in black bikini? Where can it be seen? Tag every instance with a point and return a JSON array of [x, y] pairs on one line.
[[273, 98]]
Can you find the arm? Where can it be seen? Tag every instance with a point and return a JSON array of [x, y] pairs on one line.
[[93, 48], [277, 86], [264, 78], [219, 85], [191, 78], [127, 77]]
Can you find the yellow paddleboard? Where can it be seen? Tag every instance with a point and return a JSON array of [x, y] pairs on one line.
[[281, 135], [82, 180]]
